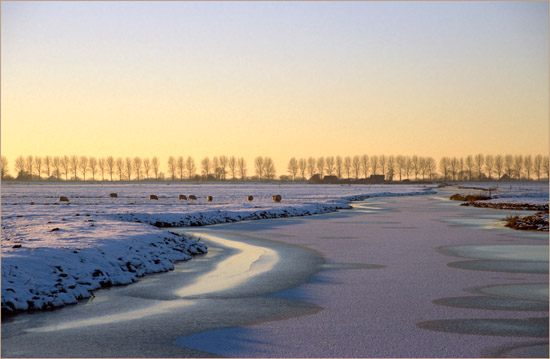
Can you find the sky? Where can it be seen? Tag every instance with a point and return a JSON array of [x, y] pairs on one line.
[[278, 79]]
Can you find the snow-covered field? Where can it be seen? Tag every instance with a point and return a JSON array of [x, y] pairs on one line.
[[54, 253], [513, 192]]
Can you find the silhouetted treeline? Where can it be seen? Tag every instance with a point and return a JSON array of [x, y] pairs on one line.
[[356, 167], [398, 168], [223, 168], [83, 168], [488, 167]]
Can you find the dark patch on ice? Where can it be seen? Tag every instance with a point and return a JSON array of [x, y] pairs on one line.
[[502, 266], [338, 237], [492, 303], [400, 227], [339, 266], [531, 327], [521, 350]]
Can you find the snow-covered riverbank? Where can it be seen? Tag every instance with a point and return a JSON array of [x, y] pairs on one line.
[[54, 253]]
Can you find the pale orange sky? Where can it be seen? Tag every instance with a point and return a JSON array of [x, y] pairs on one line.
[[274, 79]]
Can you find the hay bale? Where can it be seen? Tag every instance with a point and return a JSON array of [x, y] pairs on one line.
[[183, 197], [250, 198], [209, 198], [63, 199], [153, 197], [276, 198], [192, 197], [113, 195]]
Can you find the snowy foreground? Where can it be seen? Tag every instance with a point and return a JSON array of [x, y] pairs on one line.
[[54, 253]]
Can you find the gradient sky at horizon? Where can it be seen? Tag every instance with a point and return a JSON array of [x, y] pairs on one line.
[[277, 79]]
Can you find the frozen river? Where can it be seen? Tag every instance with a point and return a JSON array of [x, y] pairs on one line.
[[394, 277]]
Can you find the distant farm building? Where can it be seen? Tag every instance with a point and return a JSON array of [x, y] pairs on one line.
[[330, 179], [376, 178]]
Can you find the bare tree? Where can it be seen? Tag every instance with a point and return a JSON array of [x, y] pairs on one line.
[[356, 165], [181, 166], [129, 167], [190, 167], [499, 165], [382, 161], [206, 167], [330, 163], [302, 165], [92, 163], [509, 165], [119, 163], [57, 167], [469, 162], [479, 161], [338, 166], [216, 167], [401, 161], [241, 165], [374, 164], [431, 167], [48, 166], [461, 169], [66, 166], [223, 167], [232, 164], [172, 167], [311, 166], [518, 166], [537, 166], [408, 167], [20, 166], [83, 166], [528, 165], [321, 166], [259, 167], [156, 165], [269, 168], [545, 166], [146, 167], [102, 166], [38, 162], [415, 162], [30, 165], [5, 168], [347, 166], [138, 164], [390, 168], [111, 166], [444, 167], [74, 165], [293, 167], [453, 167], [423, 164], [365, 165], [489, 165]]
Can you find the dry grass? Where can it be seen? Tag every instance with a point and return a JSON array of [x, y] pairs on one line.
[[535, 222]]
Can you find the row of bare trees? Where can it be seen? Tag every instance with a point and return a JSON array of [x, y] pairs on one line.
[[483, 167], [218, 168], [89, 168], [392, 167], [221, 168]]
